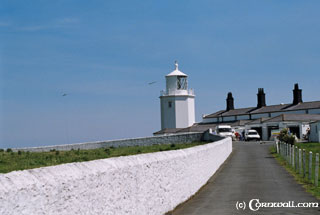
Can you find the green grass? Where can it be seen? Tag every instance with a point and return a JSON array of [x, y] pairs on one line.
[[11, 161], [314, 147], [308, 185]]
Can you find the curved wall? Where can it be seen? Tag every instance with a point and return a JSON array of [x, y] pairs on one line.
[[151, 183]]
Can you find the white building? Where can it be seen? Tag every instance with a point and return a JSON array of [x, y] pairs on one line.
[[315, 132], [177, 101]]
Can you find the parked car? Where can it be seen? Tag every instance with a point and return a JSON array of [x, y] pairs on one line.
[[225, 131], [252, 135]]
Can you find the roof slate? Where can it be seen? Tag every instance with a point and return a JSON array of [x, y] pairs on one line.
[[239, 111], [266, 109]]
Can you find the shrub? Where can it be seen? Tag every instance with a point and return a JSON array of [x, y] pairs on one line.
[[107, 150], [173, 145], [1, 150], [9, 150], [19, 152], [284, 136]]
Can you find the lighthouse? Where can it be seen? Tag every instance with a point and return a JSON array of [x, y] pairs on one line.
[[177, 101]]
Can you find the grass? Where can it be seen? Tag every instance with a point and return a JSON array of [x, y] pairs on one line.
[[11, 161], [308, 185]]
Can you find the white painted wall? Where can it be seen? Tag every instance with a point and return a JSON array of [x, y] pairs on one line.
[[315, 132], [191, 111], [185, 113], [151, 183], [168, 114], [180, 115]]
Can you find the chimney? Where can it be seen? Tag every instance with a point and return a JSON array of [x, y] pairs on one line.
[[230, 102], [297, 95], [261, 98]]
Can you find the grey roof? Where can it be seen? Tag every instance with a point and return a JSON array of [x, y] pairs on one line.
[[305, 105], [216, 114], [266, 109], [167, 131], [239, 111], [199, 127], [294, 117], [270, 108]]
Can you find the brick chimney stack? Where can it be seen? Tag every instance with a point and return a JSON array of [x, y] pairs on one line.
[[297, 94], [261, 98], [230, 102]]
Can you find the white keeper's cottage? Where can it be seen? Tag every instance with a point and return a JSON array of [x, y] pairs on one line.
[[177, 101]]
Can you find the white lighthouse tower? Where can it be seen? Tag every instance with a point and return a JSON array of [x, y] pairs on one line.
[[177, 101]]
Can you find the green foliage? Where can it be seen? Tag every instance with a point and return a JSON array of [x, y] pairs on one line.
[[107, 151], [284, 136], [9, 150], [27, 160]]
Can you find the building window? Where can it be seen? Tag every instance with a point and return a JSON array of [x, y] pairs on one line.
[[182, 83], [169, 104]]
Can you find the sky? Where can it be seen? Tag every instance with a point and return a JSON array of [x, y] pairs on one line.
[[103, 54]]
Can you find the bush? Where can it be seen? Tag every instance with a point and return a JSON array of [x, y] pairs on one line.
[[284, 136], [1, 150], [9, 150], [107, 150]]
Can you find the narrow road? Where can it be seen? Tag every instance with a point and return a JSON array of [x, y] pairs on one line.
[[250, 173]]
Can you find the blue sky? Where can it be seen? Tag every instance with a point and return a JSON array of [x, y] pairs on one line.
[[103, 54]]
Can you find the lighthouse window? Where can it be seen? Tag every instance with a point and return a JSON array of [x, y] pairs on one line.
[[182, 83], [169, 104]]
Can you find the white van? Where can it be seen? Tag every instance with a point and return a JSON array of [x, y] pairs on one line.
[[224, 131]]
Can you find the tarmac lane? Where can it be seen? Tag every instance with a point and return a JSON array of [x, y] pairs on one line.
[[251, 182]]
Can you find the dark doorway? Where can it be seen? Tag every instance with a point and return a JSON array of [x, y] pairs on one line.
[[295, 130]]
